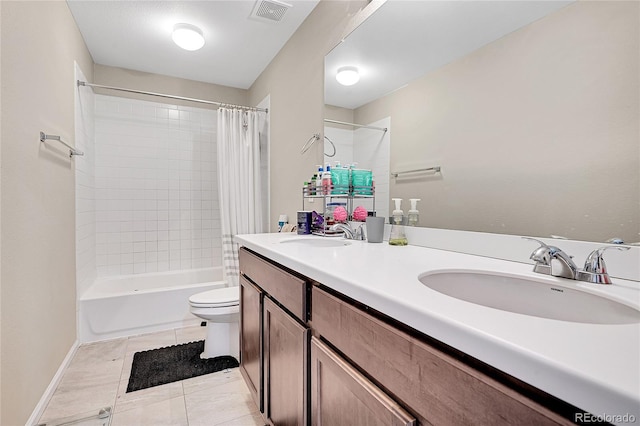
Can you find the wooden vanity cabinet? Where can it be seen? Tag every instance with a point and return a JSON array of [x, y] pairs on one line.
[[361, 367], [432, 385], [274, 306]]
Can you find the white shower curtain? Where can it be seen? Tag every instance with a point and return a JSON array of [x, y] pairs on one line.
[[238, 182]]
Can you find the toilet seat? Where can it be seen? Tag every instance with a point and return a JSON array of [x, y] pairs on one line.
[[216, 298]]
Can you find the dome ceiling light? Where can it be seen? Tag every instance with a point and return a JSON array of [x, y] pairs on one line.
[[187, 36], [348, 76]]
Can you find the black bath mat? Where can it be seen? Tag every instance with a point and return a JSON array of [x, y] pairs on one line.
[[165, 365]]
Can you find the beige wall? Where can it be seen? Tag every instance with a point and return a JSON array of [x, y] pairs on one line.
[[40, 42], [295, 81], [537, 133], [137, 80]]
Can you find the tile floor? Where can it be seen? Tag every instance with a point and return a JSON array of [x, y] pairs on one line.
[[98, 375]]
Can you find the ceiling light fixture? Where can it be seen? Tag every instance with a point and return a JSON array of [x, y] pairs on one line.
[[348, 76], [187, 36]]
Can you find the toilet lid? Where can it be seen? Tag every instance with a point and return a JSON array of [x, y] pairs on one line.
[[219, 297]]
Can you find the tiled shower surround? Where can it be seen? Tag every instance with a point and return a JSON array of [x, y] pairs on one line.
[[156, 190]]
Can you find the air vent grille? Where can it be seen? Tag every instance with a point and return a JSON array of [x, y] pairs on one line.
[[271, 10]]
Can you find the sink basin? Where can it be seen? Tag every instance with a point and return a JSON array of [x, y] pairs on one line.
[[317, 242], [523, 295]]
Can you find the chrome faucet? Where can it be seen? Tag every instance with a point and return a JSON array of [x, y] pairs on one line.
[[350, 233], [595, 270], [551, 260]]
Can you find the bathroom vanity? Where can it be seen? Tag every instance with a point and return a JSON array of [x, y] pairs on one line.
[[334, 330]]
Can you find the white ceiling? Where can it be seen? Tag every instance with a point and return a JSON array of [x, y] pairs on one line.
[[137, 35], [404, 40]]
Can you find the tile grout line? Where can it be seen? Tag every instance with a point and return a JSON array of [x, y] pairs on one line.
[[184, 398], [124, 359]]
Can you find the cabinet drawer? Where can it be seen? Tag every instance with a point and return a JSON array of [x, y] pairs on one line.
[[436, 387], [341, 395], [289, 290]]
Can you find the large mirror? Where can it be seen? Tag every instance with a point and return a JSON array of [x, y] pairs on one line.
[[529, 108]]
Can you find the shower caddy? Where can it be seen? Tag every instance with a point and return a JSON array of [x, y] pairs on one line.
[[352, 197]]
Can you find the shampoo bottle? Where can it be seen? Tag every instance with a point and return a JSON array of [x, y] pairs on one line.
[[326, 180], [397, 236], [340, 180], [413, 213]]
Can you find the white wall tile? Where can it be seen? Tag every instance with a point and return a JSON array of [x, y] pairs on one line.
[[153, 184]]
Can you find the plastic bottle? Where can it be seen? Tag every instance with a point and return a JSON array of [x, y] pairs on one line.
[[340, 180], [361, 179], [319, 180], [352, 167], [397, 236], [312, 185], [413, 213], [326, 180]]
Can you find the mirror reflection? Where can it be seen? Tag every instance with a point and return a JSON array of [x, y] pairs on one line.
[[530, 109], [365, 147]]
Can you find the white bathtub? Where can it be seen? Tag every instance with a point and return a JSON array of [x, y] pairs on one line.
[[143, 303]]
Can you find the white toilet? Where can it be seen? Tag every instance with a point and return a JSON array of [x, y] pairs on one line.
[[220, 307]]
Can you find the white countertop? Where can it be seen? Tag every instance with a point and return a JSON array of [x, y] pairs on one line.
[[595, 367]]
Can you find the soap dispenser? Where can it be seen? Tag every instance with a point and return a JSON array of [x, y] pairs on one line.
[[413, 213], [397, 236]]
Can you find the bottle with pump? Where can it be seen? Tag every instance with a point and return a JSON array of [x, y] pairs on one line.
[[336, 174], [340, 179], [397, 236], [319, 180], [326, 180], [413, 213]]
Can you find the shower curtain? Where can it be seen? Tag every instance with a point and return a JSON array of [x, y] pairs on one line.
[[238, 182]]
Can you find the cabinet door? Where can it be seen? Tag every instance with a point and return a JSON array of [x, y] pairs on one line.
[[341, 395], [286, 344], [251, 338]]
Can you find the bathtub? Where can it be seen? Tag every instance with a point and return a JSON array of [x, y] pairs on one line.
[[142, 303]]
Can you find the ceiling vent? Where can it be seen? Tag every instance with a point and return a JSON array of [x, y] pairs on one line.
[[270, 10]]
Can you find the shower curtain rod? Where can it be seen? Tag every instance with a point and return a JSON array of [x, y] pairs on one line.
[[162, 95], [384, 129]]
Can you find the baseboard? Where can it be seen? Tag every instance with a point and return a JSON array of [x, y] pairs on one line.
[[48, 393]]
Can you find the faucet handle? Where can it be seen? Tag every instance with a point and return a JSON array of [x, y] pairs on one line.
[[542, 257], [595, 261], [543, 253], [551, 260]]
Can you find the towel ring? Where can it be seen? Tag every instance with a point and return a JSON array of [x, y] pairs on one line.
[[310, 143], [334, 148]]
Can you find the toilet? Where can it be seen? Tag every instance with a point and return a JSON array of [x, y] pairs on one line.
[[220, 307]]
